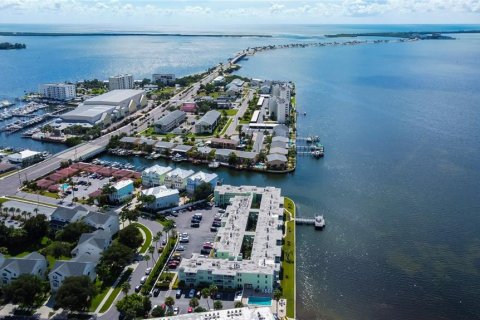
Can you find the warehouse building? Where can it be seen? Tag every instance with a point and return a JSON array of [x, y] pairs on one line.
[[109, 107]]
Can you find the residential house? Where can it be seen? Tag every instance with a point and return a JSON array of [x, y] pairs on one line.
[[163, 147], [63, 216], [122, 190], [103, 221], [278, 150], [11, 268], [154, 175], [208, 122], [201, 177], [277, 161], [177, 179], [92, 243], [80, 266], [222, 155], [279, 144], [223, 143], [181, 149], [164, 197]]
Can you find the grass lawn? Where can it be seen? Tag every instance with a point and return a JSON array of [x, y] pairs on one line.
[[244, 121], [53, 195], [148, 241], [226, 126], [101, 293], [116, 291], [163, 221], [3, 200], [231, 112], [288, 264]]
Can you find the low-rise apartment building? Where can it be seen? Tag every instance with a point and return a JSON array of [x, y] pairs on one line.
[[122, 191], [154, 176], [170, 121], [11, 268], [164, 197], [208, 122], [177, 179], [201, 177]]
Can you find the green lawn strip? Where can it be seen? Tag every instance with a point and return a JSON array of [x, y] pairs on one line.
[[31, 201], [231, 112], [288, 281], [148, 240], [3, 200], [161, 261], [225, 127], [102, 291], [163, 221], [53, 195], [116, 291]]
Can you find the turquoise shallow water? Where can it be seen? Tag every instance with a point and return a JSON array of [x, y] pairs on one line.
[[400, 180]]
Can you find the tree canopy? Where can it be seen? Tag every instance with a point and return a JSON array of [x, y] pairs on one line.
[[114, 259], [26, 290], [133, 306], [36, 227], [75, 294], [71, 232], [202, 191], [130, 236]]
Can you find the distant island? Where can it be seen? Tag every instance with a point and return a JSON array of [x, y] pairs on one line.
[[423, 35], [121, 34], [11, 46]]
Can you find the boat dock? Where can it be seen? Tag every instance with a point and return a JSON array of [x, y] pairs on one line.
[[311, 147], [318, 221]]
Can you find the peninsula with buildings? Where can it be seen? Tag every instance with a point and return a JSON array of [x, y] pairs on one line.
[[12, 46]]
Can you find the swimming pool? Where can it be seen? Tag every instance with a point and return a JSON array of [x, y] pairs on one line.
[[260, 301], [64, 187]]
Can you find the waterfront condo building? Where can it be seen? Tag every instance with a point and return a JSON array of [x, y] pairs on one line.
[[248, 246], [177, 179], [201, 177], [122, 81], [58, 91], [164, 197], [154, 176], [165, 78], [122, 190]]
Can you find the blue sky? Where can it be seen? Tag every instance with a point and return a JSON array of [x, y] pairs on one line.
[[215, 12]]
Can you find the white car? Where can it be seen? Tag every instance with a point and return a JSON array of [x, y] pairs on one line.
[[175, 311], [142, 281], [147, 272]]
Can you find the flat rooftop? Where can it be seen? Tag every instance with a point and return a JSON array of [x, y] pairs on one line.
[[114, 96]]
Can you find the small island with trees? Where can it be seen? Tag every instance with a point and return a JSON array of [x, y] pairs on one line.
[[11, 46]]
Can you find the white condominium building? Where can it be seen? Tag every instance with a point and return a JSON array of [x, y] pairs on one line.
[[122, 81], [58, 91], [248, 246], [154, 176]]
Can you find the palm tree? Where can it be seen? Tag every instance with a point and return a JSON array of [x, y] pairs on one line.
[[155, 239], [206, 295], [194, 303], [213, 291], [169, 302], [168, 226], [126, 287], [147, 258], [151, 250], [35, 210], [277, 295]]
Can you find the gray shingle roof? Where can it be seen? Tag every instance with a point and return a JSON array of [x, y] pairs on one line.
[[172, 116], [210, 117], [97, 217], [164, 144], [67, 214], [23, 265], [279, 157]]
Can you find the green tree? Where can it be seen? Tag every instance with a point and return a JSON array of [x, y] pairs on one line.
[[169, 302], [75, 294], [202, 191], [126, 287], [213, 289], [26, 291], [131, 306], [199, 310], [71, 232], [158, 312], [205, 295], [130, 236], [114, 259], [232, 159], [36, 227], [194, 303], [277, 295], [218, 305], [238, 304]]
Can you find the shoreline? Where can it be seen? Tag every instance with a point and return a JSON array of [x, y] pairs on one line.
[[126, 34]]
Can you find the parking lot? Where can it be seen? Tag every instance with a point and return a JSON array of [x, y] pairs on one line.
[[197, 237], [83, 189]]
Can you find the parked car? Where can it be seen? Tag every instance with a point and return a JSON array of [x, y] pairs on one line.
[[205, 251], [189, 310], [198, 216], [175, 311], [138, 288], [147, 271], [156, 292], [180, 248], [195, 225], [160, 249], [172, 266], [178, 294], [143, 279], [213, 229], [191, 294]]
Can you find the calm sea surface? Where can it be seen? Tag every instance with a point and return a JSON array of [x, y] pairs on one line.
[[400, 181]]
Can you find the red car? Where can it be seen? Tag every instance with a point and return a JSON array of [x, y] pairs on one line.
[[189, 310]]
